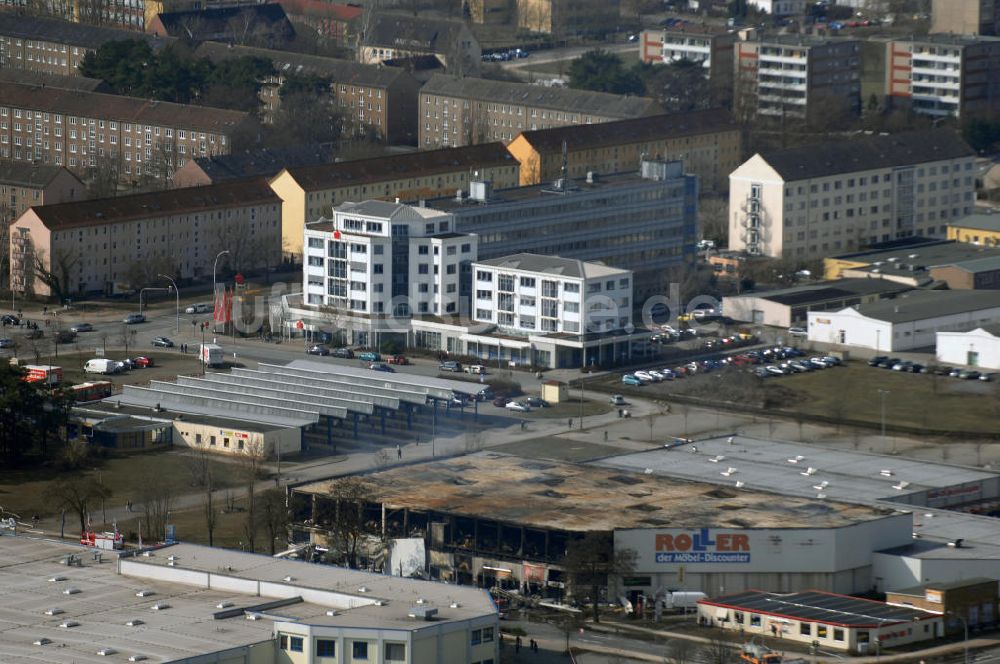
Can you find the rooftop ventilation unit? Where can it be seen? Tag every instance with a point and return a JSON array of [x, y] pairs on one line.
[[288, 579], [331, 613], [902, 485], [808, 472], [717, 458], [71, 591], [423, 612], [53, 612], [135, 622], [822, 485], [160, 606], [66, 624], [54, 579], [796, 458], [886, 472], [363, 589], [740, 484], [137, 658], [104, 652], [223, 605], [728, 471], [144, 593], [41, 642]]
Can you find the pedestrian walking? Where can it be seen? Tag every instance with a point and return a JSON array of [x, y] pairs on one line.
[[128, 505], [534, 646], [517, 644], [399, 451]]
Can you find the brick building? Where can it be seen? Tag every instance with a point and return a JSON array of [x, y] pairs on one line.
[[106, 245], [464, 111], [262, 24], [390, 36], [134, 138], [311, 192], [54, 46], [378, 97], [567, 17], [708, 142], [973, 600], [332, 20]]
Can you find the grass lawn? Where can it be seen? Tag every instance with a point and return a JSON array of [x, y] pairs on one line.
[[29, 492], [190, 525], [169, 363]]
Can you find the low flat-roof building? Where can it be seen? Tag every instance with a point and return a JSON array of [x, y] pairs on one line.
[[707, 142], [919, 261], [187, 603], [906, 322], [982, 228], [978, 348], [974, 600], [786, 307], [836, 622]]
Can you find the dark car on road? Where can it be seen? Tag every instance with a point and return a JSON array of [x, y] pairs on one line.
[[163, 342], [318, 349], [344, 353], [450, 365]]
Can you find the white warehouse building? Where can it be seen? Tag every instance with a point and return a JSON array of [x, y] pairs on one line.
[[976, 348], [907, 322]]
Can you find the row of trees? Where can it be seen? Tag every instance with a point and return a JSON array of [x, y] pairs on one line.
[[32, 419]]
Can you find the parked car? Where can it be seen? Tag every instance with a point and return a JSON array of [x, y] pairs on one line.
[[475, 369], [878, 359], [643, 376], [163, 342], [903, 365], [81, 327], [143, 361], [537, 402], [450, 365], [381, 366], [343, 353], [775, 370], [500, 401], [798, 332], [630, 379], [397, 359], [617, 400], [126, 365], [65, 336], [485, 394], [6, 343], [969, 374], [986, 377], [10, 319], [318, 349], [370, 356], [101, 366], [198, 309], [133, 319], [519, 406], [888, 363]]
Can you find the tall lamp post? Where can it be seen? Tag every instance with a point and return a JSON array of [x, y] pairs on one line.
[[177, 303], [215, 266]]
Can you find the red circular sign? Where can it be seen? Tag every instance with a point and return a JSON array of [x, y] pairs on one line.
[[299, 325], [336, 235], [239, 278]]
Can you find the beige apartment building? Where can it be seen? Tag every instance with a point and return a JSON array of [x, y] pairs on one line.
[[567, 17], [966, 17], [133, 138], [55, 46], [809, 202], [24, 186], [710, 46], [376, 97], [310, 192], [113, 244], [465, 111], [707, 142]]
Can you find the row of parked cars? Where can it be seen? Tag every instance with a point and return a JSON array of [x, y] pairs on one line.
[[798, 365], [105, 366], [505, 56], [908, 366]]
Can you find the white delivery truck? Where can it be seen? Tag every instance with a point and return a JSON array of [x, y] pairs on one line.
[[101, 366], [211, 355]]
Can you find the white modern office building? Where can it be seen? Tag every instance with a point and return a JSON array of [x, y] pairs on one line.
[[376, 261], [906, 322], [812, 201]]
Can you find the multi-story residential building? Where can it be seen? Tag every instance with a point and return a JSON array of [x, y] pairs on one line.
[[257, 24], [390, 36], [106, 245], [373, 97], [134, 138], [22, 187], [945, 75], [965, 17], [260, 162], [707, 142], [54, 46], [464, 111], [332, 20], [128, 15], [640, 220], [567, 17], [798, 76], [711, 46], [311, 192], [808, 202], [380, 259]]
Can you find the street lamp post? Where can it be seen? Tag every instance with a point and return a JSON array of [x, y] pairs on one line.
[[215, 266], [177, 303], [882, 394]]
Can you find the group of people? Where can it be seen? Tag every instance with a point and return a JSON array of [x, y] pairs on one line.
[[532, 644]]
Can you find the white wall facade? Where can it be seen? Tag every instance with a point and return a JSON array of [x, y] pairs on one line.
[[977, 348], [780, 7], [721, 560], [525, 301], [812, 218], [849, 327]]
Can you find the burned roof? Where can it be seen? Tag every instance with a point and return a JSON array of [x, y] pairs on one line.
[[264, 21], [634, 130], [820, 607], [584, 102], [119, 108], [581, 498], [238, 193], [430, 162], [867, 153]]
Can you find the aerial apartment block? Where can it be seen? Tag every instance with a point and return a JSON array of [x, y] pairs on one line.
[[965, 17], [711, 46], [113, 244], [464, 111], [798, 77], [136, 137], [945, 75], [816, 200]]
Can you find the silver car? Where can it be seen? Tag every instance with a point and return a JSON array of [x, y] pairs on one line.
[[81, 327]]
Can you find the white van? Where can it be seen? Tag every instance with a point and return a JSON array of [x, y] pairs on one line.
[[101, 366]]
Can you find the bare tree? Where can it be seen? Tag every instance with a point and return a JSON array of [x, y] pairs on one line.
[[157, 499], [342, 514], [77, 493], [274, 516], [57, 275], [592, 560], [199, 463], [681, 651], [251, 459], [717, 651]]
